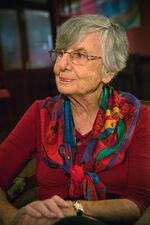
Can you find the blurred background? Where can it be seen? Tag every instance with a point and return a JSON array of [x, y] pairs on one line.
[[27, 32]]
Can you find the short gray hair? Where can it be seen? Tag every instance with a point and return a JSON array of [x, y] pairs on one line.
[[114, 41]]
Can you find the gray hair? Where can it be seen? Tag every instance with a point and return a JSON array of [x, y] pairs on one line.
[[114, 41]]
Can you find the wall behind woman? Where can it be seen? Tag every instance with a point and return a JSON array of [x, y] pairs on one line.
[[139, 37], [136, 77]]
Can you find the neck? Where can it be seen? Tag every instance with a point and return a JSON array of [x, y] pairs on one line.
[[86, 104], [85, 108]]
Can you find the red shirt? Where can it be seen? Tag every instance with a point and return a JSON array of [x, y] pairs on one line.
[[129, 180]]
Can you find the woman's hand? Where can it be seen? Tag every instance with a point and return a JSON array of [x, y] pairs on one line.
[[24, 219], [49, 208], [44, 212], [55, 207]]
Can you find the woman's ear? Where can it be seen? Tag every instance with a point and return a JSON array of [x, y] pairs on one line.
[[107, 77]]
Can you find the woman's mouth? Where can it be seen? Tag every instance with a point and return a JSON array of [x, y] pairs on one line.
[[65, 79]]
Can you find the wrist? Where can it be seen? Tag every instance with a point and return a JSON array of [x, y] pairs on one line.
[[7, 213], [78, 208]]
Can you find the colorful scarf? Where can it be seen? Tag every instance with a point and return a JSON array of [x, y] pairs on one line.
[[111, 135]]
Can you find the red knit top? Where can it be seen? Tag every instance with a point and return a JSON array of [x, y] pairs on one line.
[[129, 180]]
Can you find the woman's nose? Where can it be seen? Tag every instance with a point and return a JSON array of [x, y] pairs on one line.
[[65, 62]]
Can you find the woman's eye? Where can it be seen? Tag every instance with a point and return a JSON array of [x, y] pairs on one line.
[[79, 55]]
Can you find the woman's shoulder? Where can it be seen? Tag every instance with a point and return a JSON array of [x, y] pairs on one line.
[[43, 103], [143, 121], [39, 107], [144, 114], [140, 142]]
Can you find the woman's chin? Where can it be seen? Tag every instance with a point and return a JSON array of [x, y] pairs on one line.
[[65, 91]]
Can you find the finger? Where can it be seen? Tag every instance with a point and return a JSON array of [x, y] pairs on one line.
[[39, 210], [32, 211], [53, 207], [60, 201], [45, 221]]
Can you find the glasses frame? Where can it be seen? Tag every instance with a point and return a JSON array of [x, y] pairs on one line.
[[88, 57]]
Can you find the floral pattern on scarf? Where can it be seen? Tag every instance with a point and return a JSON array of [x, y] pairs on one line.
[[112, 133]]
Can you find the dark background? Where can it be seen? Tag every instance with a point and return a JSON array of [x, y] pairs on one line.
[[25, 85]]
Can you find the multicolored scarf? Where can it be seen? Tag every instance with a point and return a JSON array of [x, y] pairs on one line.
[[112, 133]]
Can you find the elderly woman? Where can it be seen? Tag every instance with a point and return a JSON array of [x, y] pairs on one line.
[[91, 142]]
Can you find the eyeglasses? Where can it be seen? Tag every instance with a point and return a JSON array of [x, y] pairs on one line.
[[78, 58]]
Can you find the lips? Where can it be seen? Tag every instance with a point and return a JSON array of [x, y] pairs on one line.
[[65, 79]]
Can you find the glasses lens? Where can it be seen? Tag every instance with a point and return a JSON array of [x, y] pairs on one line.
[[79, 58], [53, 56]]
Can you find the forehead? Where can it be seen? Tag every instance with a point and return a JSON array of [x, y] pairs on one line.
[[89, 42]]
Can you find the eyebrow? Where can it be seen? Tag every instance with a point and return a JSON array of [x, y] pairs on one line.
[[80, 49]]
